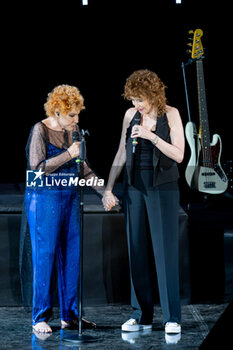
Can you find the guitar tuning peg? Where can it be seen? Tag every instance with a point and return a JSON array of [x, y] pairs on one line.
[[191, 32], [189, 44]]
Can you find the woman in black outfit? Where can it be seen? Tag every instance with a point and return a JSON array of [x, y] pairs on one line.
[[151, 145]]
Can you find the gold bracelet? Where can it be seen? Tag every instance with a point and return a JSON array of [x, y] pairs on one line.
[[156, 139]]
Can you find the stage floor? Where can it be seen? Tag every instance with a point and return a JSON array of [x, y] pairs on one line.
[[197, 320]]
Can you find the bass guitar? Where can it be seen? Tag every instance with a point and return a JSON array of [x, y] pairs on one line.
[[204, 172]]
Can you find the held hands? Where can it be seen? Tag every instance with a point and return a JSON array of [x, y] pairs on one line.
[[74, 150], [109, 200]]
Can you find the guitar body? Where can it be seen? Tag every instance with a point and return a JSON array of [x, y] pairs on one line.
[[206, 179], [194, 144]]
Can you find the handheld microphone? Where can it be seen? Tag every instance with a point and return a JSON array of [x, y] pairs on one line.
[[137, 122], [76, 138], [80, 137]]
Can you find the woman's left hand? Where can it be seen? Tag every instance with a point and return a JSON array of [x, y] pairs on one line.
[[141, 131]]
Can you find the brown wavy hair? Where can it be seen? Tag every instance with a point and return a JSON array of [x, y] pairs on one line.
[[146, 84], [64, 98]]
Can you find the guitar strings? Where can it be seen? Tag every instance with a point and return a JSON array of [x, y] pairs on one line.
[[204, 129]]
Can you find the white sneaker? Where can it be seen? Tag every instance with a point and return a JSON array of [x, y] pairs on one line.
[[133, 326], [172, 327]]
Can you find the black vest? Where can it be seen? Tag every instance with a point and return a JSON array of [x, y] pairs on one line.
[[165, 169]]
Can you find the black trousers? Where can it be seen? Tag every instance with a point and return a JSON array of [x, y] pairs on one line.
[[152, 219]]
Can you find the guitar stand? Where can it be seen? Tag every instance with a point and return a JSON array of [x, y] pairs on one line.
[[185, 86], [205, 198], [206, 201]]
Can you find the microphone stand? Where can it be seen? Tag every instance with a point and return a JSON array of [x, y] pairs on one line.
[[80, 337]]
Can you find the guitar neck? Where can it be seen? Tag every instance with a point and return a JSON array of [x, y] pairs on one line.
[[203, 113]]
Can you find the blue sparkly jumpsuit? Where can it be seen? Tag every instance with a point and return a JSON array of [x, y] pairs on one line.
[[53, 217]]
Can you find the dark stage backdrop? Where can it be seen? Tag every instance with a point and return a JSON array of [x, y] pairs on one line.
[[96, 47]]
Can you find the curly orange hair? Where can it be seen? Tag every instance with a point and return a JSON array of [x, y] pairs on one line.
[[146, 84], [63, 98]]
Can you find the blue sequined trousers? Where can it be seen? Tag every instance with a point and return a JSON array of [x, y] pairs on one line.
[[53, 217]]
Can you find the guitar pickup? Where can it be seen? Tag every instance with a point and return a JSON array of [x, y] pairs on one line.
[[208, 174], [209, 184]]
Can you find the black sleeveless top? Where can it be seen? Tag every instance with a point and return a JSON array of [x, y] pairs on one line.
[[144, 155], [149, 157]]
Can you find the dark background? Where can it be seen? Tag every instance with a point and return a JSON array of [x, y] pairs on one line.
[[95, 48]]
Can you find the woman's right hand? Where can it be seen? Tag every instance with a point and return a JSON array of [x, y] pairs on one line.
[[74, 150], [109, 200]]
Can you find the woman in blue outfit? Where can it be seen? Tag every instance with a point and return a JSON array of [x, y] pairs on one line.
[[52, 207], [151, 145]]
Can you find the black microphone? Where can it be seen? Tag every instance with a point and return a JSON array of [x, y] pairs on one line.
[[76, 138], [137, 120]]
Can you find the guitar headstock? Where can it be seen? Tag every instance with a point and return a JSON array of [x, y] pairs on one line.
[[197, 50]]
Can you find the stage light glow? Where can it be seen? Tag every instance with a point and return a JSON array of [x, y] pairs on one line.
[[85, 2], [178, 1]]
